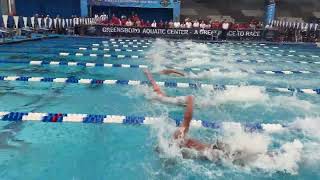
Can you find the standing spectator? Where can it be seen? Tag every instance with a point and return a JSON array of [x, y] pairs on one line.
[[225, 28]]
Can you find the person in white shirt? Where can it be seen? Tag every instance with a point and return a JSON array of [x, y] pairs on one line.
[[154, 24], [189, 24], [196, 24], [176, 24], [225, 25], [202, 25]]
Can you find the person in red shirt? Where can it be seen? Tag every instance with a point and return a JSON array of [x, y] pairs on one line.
[[160, 24], [114, 21], [123, 21], [147, 24], [142, 24]]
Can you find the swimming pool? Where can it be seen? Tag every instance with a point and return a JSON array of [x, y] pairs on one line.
[[272, 90]]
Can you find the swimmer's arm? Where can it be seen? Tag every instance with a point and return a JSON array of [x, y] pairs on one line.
[[156, 88], [184, 127], [172, 71]]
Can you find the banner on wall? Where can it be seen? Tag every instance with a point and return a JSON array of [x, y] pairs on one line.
[[135, 3], [194, 33], [270, 11]]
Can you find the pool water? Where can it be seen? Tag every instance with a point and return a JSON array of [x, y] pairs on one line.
[[37, 150]]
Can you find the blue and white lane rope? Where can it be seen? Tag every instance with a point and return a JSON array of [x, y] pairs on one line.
[[213, 53], [291, 62], [129, 120], [107, 65], [119, 56], [74, 80], [111, 49], [72, 63]]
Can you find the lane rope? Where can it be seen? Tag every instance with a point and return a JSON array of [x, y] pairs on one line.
[[107, 65], [169, 84], [130, 120]]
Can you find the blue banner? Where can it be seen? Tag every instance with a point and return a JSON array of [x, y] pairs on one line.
[[135, 3], [270, 13]]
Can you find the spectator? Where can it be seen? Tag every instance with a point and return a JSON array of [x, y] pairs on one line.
[[225, 25], [138, 23], [129, 23], [147, 24], [115, 21], [188, 24], [196, 24], [166, 24], [203, 25], [170, 24], [182, 25], [154, 24], [161, 24], [176, 24], [123, 21]]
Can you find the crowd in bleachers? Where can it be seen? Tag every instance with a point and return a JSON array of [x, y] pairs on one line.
[[135, 21], [288, 29]]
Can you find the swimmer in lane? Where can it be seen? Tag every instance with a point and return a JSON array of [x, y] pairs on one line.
[[161, 96], [172, 72], [211, 152]]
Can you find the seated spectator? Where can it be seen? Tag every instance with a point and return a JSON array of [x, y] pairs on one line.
[[176, 24], [188, 24], [105, 21], [123, 21], [154, 24], [142, 24], [137, 23], [182, 25], [202, 25], [166, 24], [196, 24], [147, 24], [170, 24], [135, 18], [103, 16], [161, 24], [129, 23], [115, 21]]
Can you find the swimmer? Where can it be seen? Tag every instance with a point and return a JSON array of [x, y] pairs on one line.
[[172, 71], [161, 96], [211, 152]]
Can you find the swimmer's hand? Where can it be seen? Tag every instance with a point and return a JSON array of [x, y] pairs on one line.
[[180, 133]]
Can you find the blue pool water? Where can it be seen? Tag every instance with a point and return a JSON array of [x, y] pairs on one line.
[[35, 150]]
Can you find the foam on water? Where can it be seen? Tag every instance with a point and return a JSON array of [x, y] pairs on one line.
[[216, 73], [309, 126], [256, 150]]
